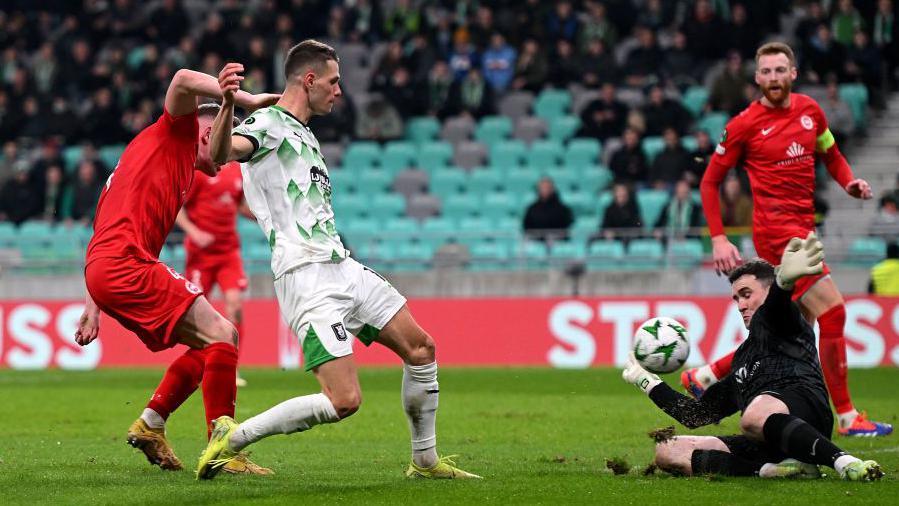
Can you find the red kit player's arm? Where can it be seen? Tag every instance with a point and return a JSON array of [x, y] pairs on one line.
[[187, 85], [709, 189]]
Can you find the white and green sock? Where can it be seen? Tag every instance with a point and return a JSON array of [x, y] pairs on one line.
[[293, 415], [420, 395]]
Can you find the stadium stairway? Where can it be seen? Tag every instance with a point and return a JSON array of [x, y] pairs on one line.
[[874, 159]]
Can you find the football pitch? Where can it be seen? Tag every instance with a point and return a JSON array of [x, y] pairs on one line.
[[536, 435]]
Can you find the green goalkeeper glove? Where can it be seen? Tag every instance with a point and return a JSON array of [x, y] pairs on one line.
[[802, 257], [637, 375]]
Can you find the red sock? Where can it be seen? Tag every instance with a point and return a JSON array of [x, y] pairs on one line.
[[219, 389], [181, 379], [721, 367], [832, 350]]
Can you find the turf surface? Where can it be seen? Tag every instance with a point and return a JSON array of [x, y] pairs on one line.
[[537, 436]]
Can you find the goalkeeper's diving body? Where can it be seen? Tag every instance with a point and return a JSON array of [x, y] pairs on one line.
[[776, 384]]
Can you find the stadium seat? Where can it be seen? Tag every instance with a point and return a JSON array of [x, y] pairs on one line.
[[70, 157], [516, 104], [498, 205], [685, 254], [344, 181], [460, 205], [566, 181], [652, 146], [483, 181], [507, 154], [583, 151], [529, 129], [552, 103], [493, 129], [351, 208], [448, 180], [690, 144], [422, 129], [713, 123], [594, 179], [866, 251], [110, 155], [694, 100], [533, 255], [469, 155], [651, 204], [604, 200], [581, 203], [545, 155], [362, 154], [434, 155], [422, 206], [35, 229], [386, 206], [457, 129], [856, 95], [605, 255], [488, 256], [438, 231], [566, 251], [410, 182], [401, 227], [563, 128], [397, 156], [644, 254], [473, 229], [373, 181], [583, 228], [412, 256], [521, 182], [332, 153]]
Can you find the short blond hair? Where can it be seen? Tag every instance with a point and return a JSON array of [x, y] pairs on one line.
[[776, 48]]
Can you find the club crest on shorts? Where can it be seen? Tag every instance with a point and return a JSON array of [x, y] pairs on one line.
[[339, 331]]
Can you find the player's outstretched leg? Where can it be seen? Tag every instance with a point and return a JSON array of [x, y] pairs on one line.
[[147, 433], [696, 380], [420, 394]]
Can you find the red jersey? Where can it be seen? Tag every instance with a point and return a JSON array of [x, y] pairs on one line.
[[212, 204], [777, 148], [138, 205]]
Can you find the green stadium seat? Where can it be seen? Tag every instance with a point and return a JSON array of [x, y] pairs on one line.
[[35, 229], [344, 181], [403, 226], [652, 146], [534, 255], [475, 225], [412, 256], [866, 251], [362, 154], [685, 254], [545, 155], [582, 151], [70, 157], [257, 258], [690, 143], [605, 255], [563, 128], [713, 123], [488, 256], [493, 129], [397, 156], [581, 203], [350, 208], [422, 129], [651, 204], [644, 254], [695, 99], [461, 205], [8, 235], [438, 231], [604, 200], [448, 180], [594, 179], [552, 104], [498, 205], [584, 227], [110, 155], [434, 155], [521, 182], [378, 255], [566, 181], [373, 181], [484, 181], [386, 206], [856, 96], [507, 154], [563, 251]]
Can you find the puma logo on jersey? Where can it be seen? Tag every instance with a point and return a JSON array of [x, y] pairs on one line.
[[766, 131]]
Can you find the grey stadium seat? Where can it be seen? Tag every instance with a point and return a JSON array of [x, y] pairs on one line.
[[516, 104], [529, 129], [411, 182], [422, 205], [457, 129], [332, 152], [469, 155]]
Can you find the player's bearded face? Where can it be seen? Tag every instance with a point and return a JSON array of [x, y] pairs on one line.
[[775, 75]]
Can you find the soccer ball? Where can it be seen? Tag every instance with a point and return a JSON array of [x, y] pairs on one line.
[[660, 345]]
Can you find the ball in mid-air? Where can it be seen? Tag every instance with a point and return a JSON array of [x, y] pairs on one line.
[[660, 345]]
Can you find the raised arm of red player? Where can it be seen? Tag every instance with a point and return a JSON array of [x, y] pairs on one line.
[[837, 166], [187, 85]]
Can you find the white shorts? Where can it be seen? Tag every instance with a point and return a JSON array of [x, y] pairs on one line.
[[327, 304]]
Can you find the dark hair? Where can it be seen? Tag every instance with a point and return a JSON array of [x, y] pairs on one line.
[[308, 53], [762, 270], [212, 109], [892, 250]]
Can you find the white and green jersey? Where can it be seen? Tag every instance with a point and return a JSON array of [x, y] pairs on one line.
[[287, 187]]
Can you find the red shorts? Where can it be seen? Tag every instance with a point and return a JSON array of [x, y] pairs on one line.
[[225, 270], [147, 298], [772, 250]]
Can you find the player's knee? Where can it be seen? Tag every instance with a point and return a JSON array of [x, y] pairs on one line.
[[752, 425], [346, 403], [669, 456], [423, 351]]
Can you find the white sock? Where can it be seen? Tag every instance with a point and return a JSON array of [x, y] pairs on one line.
[[843, 461], [846, 419], [293, 415], [420, 394], [705, 376], [153, 419]]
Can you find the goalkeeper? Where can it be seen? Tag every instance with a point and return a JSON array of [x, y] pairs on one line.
[[776, 384]]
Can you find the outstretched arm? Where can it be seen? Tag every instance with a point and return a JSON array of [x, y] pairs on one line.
[[187, 85]]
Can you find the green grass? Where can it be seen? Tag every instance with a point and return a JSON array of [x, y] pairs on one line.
[[537, 436]]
